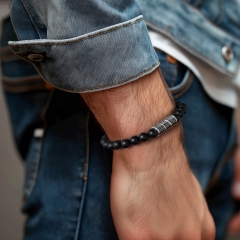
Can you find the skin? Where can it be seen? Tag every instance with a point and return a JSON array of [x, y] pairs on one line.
[[234, 223], [154, 195]]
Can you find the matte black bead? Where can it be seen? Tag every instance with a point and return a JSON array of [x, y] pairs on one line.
[[182, 113], [134, 140], [125, 143], [105, 144], [183, 109], [183, 105], [117, 144], [102, 142], [104, 136], [143, 137], [110, 146], [152, 133], [177, 115], [177, 103]]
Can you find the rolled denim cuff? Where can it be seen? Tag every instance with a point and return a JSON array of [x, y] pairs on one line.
[[102, 59]]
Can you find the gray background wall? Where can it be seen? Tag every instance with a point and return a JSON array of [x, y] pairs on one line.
[[11, 173]]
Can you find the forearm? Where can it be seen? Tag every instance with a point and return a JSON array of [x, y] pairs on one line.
[[154, 195], [133, 108]]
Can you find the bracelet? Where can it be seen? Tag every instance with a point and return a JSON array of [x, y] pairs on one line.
[[154, 131]]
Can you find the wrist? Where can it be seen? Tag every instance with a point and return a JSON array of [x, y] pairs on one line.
[[155, 131], [132, 108], [152, 154]]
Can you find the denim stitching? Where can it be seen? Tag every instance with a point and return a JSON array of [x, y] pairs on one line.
[[192, 51], [40, 144], [31, 18], [104, 87], [86, 154], [227, 154], [86, 159], [34, 14], [179, 94], [178, 89], [30, 182], [73, 41], [21, 89], [221, 12], [86, 136], [24, 79], [174, 78]]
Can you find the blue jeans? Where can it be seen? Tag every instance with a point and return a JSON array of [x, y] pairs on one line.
[[67, 181], [210, 138]]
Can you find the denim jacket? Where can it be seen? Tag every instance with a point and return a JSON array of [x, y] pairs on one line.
[[109, 46], [83, 46], [207, 29]]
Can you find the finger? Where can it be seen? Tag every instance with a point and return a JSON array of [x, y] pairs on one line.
[[236, 182], [234, 225]]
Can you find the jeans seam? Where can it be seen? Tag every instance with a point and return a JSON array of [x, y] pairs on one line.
[[32, 180], [21, 89], [174, 75], [225, 157], [85, 175], [24, 79], [38, 157]]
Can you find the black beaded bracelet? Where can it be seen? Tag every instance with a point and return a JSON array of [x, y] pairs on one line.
[[154, 131]]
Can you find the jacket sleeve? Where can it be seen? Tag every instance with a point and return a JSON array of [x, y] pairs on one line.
[[83, 45]]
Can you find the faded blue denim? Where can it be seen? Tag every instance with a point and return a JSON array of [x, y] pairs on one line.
[[85, 46], [66, 193], [63, 34], [201, 27]]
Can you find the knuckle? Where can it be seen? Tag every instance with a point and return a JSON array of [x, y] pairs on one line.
[[210, 229], [193, 235], [211, 232], [189, 232]]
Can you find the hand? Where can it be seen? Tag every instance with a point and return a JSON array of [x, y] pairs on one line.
[[234, 224], [154, 195]]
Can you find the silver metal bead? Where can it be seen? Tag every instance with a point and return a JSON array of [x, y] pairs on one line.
[[165, 124]]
